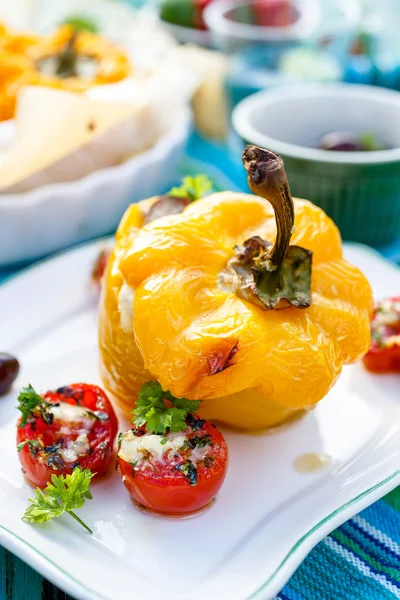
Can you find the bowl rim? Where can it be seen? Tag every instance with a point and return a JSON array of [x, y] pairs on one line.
[[187, 35], [242, 124], [96, 178], [303, 27], [308, 18]]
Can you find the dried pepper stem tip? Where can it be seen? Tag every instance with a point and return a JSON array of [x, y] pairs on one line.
[[279, 276], [260, 164]]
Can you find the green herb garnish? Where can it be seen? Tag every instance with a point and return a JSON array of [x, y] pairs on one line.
[[370, 143], [184, 446], [81, 23], [97, 415], [160, 411], [33, 445], [29, 403], [192, 188], [63, 494]]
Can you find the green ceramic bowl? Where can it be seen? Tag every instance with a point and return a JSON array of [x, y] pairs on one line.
[[359, 190]]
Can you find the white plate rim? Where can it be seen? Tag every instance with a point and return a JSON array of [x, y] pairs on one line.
[[293, 558]]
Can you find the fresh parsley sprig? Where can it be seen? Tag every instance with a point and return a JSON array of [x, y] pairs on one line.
[[63, 494], [160, 411], [192, 188], [29, 402]]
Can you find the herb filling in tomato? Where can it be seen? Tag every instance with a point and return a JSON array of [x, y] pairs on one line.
[[384, 354], [186, 451], [385, 325], [70, 427], [172, 461]]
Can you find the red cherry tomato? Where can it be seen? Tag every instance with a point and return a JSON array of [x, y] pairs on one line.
[[200, 6], [384, 354], [182, 480], [383, 361], [63, 438], [274, 13]]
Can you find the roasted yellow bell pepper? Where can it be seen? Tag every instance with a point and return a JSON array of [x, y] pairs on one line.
[[80, 58], [66, 59], [203, 302]]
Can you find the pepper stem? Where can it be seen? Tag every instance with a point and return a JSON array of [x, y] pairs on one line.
[[64, 63], [75, 516], [267, 178], [281, 276], [66, 66]]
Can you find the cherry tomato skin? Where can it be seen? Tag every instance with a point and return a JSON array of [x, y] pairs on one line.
[[386, 360], [101, 435], [200, 6], [273, 13], [384, 354], [167, 490]]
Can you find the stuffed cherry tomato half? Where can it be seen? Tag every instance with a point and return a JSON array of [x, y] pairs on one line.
[[173, 473], [384, 354], [72, 426]]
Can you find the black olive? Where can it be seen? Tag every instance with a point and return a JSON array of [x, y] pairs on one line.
[[341, 141], [51, 449], [47, 417], [193, 442], [55, 461], [190, 472], [9, 369], [65, 390], [194, 423]]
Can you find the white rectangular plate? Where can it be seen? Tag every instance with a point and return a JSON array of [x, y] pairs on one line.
[[267, 516]]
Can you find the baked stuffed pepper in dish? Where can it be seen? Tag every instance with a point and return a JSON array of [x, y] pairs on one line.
[[242, 301]]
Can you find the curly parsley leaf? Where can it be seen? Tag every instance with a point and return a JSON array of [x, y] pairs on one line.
[[29, 402], [192, 188], [63, 494], [159, 416]]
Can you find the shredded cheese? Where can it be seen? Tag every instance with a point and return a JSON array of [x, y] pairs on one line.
[[138, 449], [72, 413], [80, 447], [392, 341], [134, 448]]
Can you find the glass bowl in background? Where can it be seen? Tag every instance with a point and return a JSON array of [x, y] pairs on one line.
[[237, 24], [278, 41]]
